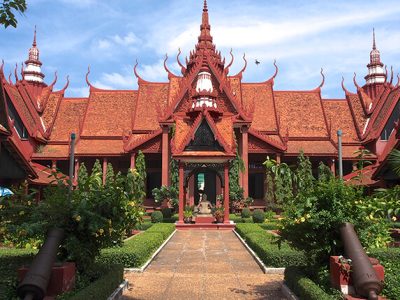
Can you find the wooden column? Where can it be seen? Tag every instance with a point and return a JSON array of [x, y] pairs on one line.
[[240, 150], [53, 165], [133, 158], [245, 157], [165, 156], [104, 170], [76, 169], [181, 193], [226, 193], [191, 190], [278, 158]]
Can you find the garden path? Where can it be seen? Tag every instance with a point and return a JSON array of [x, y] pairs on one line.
[[203, 264]]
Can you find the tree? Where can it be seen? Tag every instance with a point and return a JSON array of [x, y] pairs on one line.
[[394, 161], [110, 176], [7, 8], [141, 169]]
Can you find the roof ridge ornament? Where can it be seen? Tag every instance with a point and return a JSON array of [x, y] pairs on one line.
[[346, 91], [355, 81], [373, 39], [170, 74], [183, 69], [323, 79], [244, 67], [2, 68]]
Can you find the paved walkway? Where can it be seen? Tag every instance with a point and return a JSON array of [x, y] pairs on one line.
[[203, 264]]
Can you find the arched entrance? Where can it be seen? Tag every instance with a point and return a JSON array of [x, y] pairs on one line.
[[203, 182]]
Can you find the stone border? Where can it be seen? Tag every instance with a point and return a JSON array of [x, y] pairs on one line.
[[142, 268], [263, 267], [117, 294], [288, 293]]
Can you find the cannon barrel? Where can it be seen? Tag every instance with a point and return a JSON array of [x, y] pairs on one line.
[[364, 277], [36, 280]]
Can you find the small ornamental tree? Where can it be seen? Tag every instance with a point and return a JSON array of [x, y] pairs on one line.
[[270, 165], [303, 174], [141, 170], [97, 169], [324, 172], [82, 175], [235, 190], [110, 176]]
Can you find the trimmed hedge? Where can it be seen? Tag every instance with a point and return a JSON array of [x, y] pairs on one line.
[[246, 213], [303, 287], [10, 261], [137, 250], [110, 278], [267, 250], [390, 259], [143, 226], [269, 226]]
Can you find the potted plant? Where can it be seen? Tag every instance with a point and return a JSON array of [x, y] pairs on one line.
[[188, 215], [219, 214]]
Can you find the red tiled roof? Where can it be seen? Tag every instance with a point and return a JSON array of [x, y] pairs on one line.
[[51, 151], [109, 113], [99, 147], [50, 110], [362, 177], [300, 113], [69, 118], [357, 110], [45, 175], [261, 96], [311, 148], [152, 99], [339, 117]]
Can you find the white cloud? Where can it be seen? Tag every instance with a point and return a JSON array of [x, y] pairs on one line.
[[153, 72], [126, 40]]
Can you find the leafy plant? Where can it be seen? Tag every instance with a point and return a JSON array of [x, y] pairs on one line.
[[258, 216], [157, 217], [165, 193], [394, 161], [7, 8], [246, 213], [235, 190]]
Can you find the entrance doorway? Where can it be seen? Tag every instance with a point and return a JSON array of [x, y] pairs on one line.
[[205, 184]]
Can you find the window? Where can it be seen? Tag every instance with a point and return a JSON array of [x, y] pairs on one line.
[[394, 117]]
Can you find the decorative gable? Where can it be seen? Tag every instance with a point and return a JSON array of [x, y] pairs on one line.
[[204, 139]]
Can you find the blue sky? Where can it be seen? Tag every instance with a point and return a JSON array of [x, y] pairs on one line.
[[110, 35]]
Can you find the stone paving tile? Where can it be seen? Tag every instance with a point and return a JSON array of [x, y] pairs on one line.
[[203, 264]]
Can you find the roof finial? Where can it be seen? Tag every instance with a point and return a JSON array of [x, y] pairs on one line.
[[205, 6], [373, 39], [34, 38]]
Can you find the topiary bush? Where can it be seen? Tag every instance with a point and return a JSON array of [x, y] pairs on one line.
[[167, 213], [258, 216], [157, 217], [246, 213]]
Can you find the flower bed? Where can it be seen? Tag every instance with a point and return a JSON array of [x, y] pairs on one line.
[[136, 251], [264, 245]]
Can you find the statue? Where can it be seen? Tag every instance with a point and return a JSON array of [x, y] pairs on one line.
[[204, 206]]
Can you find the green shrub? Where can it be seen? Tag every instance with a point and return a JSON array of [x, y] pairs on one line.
[[390, 259], [303, 287], [246, 213], [269, 226], [258, 216], [137, 250], [143, 226], [10, 261], [110, 278], [269, 215], [167, 213], [156, 217], [267, 249]]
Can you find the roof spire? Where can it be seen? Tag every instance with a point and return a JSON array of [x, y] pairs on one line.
[[205, 38], [34, 38], [33, 72], [373, 39]]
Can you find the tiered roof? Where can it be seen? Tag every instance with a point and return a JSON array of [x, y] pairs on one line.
[[116, 122]]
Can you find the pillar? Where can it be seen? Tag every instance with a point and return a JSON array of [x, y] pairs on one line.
[[191, 190], [278, 158], [53, 165], [245, 158], [76, 171], [240, 150], [104, 170], [181, 194], [165, 156], [133, 162], [226, 193]]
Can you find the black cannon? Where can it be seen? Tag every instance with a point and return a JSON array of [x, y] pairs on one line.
[[37, 278], [365, 281]]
